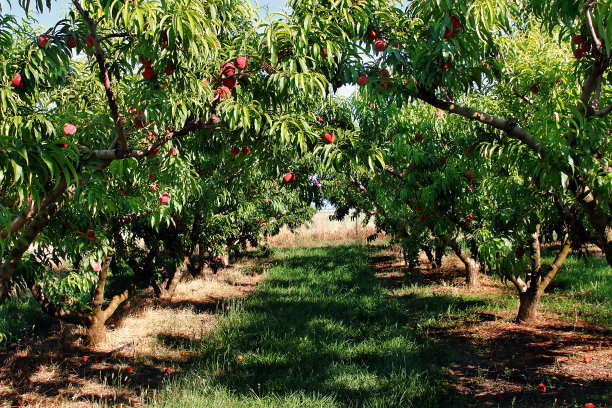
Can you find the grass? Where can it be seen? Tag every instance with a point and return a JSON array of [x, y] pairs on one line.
[[582, 289], [323, 232], [321, 332], [20, 319]]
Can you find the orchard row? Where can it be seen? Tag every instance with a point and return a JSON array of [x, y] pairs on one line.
[[148, 139]]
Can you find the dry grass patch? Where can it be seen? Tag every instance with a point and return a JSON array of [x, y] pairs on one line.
[[146, 343], [323, 232]]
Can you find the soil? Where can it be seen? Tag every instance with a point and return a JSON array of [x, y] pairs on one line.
[[502, 364], [147, 341]]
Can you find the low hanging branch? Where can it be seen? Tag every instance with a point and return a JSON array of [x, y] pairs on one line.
[[69, 316], [113, 154]]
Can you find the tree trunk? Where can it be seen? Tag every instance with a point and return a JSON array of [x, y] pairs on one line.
[[202, 264], [528, 307], [439, 253], [95, 318], [531, 290], [167, 288], [471, 270], [472, 267], [430, 256], [96, 331]]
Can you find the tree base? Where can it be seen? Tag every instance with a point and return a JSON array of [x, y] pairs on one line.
[[96, 334], [471, 270], [528, 308]]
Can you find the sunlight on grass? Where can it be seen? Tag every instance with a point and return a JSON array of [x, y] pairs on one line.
[[319, 332]]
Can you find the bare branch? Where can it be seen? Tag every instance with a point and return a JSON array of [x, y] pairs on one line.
[[509, 126], [519, 283], [108, 154], [118, 299], [555, 266]]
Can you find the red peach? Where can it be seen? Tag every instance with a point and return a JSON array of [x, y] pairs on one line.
[[71, 41], [241, 62], [148, 73], [69, 129], [43, 40], [380, 46], [289, 178], [18, 81]]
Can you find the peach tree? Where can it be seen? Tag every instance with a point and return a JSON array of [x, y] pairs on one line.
[[535, 73], [447, 185], [533, 76], [124, 112]]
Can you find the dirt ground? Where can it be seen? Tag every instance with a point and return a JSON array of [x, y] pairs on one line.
[[145, 341], [573, 360]]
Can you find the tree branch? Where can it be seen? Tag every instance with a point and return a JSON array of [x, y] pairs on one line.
[[603, 112], [104, 77], [70, 316], [108, 154], [555, 266], [117, 300], [394, 172], [509, 126], [98, 296], [589, 20], [573, 222], [521, 97], [518, 282], [30, 211]]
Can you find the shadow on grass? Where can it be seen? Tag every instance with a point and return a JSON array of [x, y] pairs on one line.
[[323, 324]]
